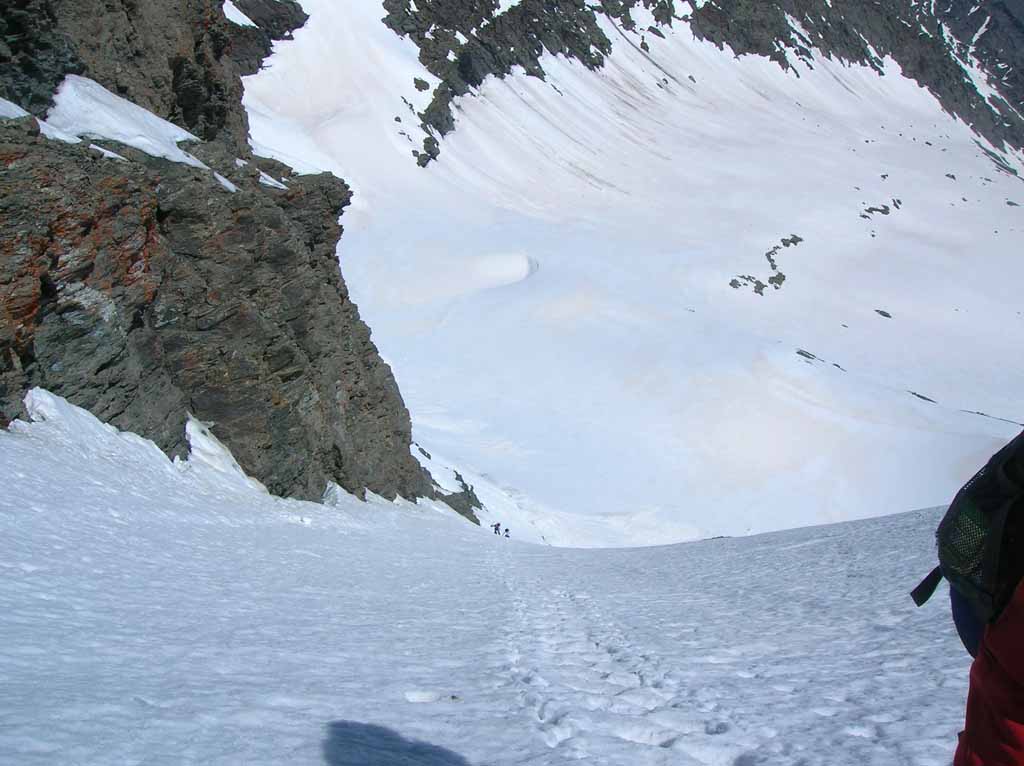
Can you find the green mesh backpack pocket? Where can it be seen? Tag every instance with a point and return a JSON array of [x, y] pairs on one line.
[[961, 541]]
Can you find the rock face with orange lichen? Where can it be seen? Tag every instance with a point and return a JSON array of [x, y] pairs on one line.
[[144, 290]]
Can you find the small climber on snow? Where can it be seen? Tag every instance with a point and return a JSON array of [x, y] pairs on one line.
[[496, 527], [506, 531]]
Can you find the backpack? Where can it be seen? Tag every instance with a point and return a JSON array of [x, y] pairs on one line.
[[981, 537]]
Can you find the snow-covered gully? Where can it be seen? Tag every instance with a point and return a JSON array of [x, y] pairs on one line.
[[155, 613], [728, 290]]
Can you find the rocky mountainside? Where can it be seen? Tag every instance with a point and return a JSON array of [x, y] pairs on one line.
[[144, 289], [946, 48]]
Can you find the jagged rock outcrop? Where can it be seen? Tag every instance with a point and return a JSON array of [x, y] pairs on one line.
[[144, 289], [493, 44], [34, 58], [993, 34], [465, 502], [462, 42], [931, 48], [274, 19], [170, 57]]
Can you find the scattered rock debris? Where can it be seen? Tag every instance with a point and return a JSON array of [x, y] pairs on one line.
[[777, 278], [810, 358], [871, 210]]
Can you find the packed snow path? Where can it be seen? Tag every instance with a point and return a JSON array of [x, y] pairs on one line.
[[158, 614]]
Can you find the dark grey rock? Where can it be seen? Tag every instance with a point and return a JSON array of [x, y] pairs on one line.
[[34, 57], [169, 56], [999, 47], [274, 19], [777, 278], [464, 502]]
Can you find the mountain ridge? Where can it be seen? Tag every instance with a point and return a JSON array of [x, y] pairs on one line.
[[463, 42]]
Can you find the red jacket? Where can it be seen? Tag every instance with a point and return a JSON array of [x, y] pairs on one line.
[[994, 732]]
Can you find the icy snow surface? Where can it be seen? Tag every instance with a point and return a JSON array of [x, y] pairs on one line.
[[83, 107], [10, 110], [554, 293], [235, 15], [224, 182], [107, 153], [170, 614]]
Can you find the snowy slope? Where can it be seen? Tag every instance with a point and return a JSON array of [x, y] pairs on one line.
[[157, 613], [555, 295]]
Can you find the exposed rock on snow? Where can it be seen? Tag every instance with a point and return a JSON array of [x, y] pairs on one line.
[[778, 278], [465, 501]]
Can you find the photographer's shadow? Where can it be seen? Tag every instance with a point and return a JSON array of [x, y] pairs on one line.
[[350, 743]]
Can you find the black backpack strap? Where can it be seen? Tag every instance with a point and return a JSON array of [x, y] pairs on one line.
[[926, 589]]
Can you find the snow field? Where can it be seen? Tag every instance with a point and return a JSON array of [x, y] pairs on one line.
[[160, 613], [554, 292]]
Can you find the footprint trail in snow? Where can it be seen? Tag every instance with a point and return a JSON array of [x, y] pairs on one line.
[[730, 652]]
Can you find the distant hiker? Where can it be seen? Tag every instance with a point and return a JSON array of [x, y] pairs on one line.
[[506, 531], [981, 553], [497, 528]]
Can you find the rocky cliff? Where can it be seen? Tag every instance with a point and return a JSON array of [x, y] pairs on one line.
[[462, 42], [144, 289]]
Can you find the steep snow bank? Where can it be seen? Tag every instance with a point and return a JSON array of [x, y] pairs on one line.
[[173, 613]]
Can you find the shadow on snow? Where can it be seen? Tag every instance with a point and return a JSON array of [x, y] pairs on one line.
[[349, 743]]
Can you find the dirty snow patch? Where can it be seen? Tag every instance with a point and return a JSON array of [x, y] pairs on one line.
[[268, 180], [225, 183], [107, 153], [236, 16]]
